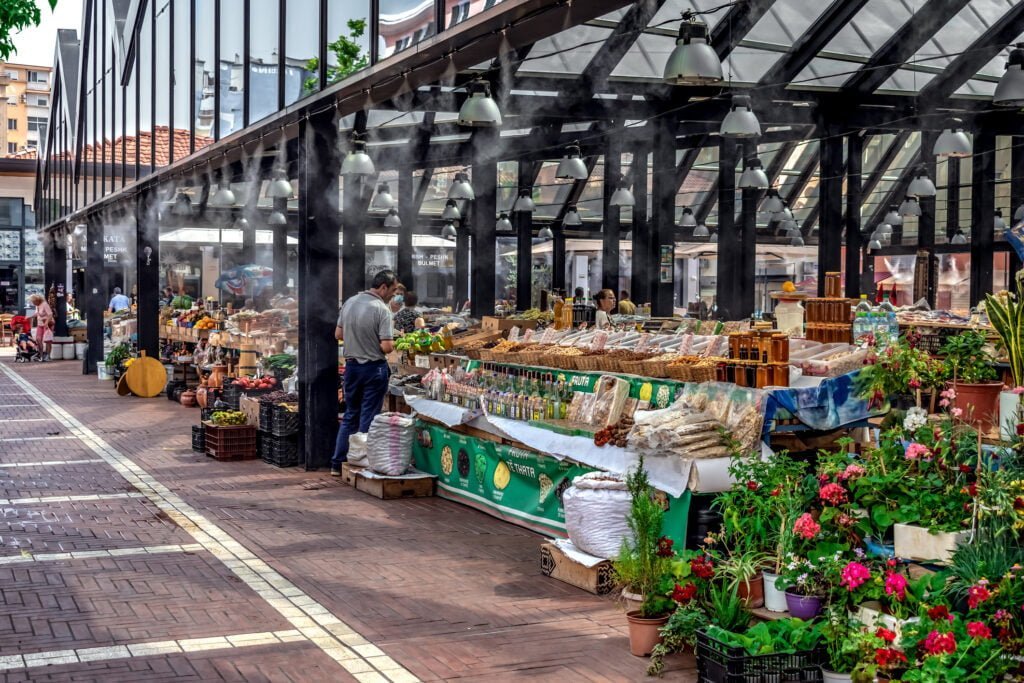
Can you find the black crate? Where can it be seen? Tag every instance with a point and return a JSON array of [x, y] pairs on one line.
[[266, 415], [231, 396], [199, 438], [720, 663], [283, 422], [171, 386], [281, 451]]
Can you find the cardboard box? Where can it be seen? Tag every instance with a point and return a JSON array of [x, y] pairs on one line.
[[386, 488], [79, 334], [599, 579], [490, 323]]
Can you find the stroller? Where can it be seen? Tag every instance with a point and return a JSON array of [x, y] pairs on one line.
[[28, 350]]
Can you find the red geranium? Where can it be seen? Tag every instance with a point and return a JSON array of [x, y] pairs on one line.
[[936, 643], [977, 629], [683, 594], [885, 634], [665, 547], [977, 595], [833, 493], [939, 612], [753, 485], [702, 568], [887, 657]]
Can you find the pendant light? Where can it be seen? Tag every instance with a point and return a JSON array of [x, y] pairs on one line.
[[892, 217], [223, 197], [503, 224], [1010, 89], [688, 220], [524, 202], [693, 61], [622, 196], [740, 122], [921, 185], [383, 199], [791, 228], [279, 187], [773, 202], [959, 238], [797, 240], [714, 238], [572, 216], [449, 232], [357, 161], [786, 214], [276, 219], [546, 233], [461, 189], [884, 230], [998, 224], [910, 206], [753, 176], [571, 166], [701, 231], [182, 205], [953, 141], [479, 110], [241, 223], [1018, 215], [392, 220], [451, 211], [876, 242]]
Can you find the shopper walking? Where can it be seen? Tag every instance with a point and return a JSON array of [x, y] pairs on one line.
[[44, 326], [364, 324], [119, 301]]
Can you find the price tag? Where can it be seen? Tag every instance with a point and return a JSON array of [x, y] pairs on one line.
[[423, 361], [600, 339], [547, 336], [528, 335], [645, 339], [513, 334]]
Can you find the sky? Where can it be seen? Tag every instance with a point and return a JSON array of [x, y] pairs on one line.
[[36, 45]]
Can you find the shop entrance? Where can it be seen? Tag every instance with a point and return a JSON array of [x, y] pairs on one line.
[[9, 290]]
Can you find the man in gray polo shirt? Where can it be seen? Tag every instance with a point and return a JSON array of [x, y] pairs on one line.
[[364, 324]]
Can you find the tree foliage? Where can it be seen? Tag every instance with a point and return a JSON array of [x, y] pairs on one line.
[[347, 53], [16, 15]]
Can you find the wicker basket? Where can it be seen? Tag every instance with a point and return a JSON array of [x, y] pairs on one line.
[[633, 367], [680, 371], [485, 355], [588, 363], [656, 368], [702, 373]]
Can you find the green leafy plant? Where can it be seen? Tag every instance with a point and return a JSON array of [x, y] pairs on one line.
[[118, 355], [946, 646], [1006, 313], [727, 610], [897, 367], [679, 632], [969, 358], [640, 567], [838, 631], [783, 636], [16, 15], [347, 54]]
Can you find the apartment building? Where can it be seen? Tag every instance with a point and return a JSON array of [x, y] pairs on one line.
[[24, 107]]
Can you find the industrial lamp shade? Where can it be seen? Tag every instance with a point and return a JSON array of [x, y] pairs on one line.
[[357, 161], [1010, 89], [479, 110], [953, 142], [622, 197], [921, 185], [998, 223], [571, 166], [773, 202], [701, 231], [740, 122], [503, 224], [461, 189], [182, 205], [1018, 215], [959, 238], [451, 211], [223, 196], [688, 220], [797, 240], [786, 214], [572, 216], [524, 202], [383, 199], [546, 233], [279, 187], [892, 217], [392, 220], [753, 176], [884, 230], [714, 238], [241, 223], [693, 61], [910, 206], [448, 231], [276, 218], [876, 243], [791, 228]]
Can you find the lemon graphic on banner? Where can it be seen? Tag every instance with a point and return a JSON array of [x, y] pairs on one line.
[[645, 391], [502, 475], [446, 460]]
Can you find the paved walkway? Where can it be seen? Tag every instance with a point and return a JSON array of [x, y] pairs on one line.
[[124, 556]]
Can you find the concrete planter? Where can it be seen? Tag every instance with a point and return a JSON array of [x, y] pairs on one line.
[[918, 543]]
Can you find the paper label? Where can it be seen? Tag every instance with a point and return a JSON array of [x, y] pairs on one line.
[[528, 335], [423, 361], [513, 334], [642, 343], [600, 339]]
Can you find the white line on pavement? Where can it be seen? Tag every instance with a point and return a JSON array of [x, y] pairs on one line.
[[38, 438], [47, 463], [68, 499], [91, 554]]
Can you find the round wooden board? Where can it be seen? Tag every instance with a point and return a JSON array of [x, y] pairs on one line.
[[146, 377], [122, 385]]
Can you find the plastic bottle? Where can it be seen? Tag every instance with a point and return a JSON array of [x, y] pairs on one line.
[[887, 315]]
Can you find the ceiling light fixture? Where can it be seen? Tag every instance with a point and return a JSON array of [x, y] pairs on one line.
[[571, 166], [701, 231], [479, 110], [279, 187], [998, 223], [772, 202], [357, 161], [688, 220], [1010, 89], [276, 218], [622, 196], [182, 205], [740, 122], [546, 233], [572, 216], [921, 185], [693, 61], [753, 176], [451, 211], [910, 206], [524, 202], [959, 238], [953, 141], [892, 217], [223, 197], [503, 224], [449, 232], [392, 220], [461, 189], [714, 238], [383, 199]]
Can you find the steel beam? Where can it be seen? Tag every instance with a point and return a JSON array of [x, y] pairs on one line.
[[523, 222], [611, 222], [485, 180], [643, 263], [279, 248], [663, 215], [854, 199], [983, 206], [747, 223], [830, 196], [407, 214], [95, 291], [730, 259], [147, 237]]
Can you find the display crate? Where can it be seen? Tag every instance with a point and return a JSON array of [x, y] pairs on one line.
[[266, 416], [199, 438], [231, 395], [230, 442], [283, 422], [720, 663], [280, 451]]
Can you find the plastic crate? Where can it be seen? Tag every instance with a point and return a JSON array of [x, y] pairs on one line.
[[231, 442], [720, 663], [206, 413], [283, 422], [199, 438], [266, 415], [280, 451], [231, 396]]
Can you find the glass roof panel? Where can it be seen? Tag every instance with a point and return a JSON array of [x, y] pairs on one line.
[[748, 65], [824, 73], [905, 80], [580, 44], [646, 58], [960, 31], [874, 24], [786, 21], [669, 14]]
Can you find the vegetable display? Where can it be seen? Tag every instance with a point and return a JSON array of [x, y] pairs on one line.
[[225, 418], [420, 341], [280, 361]]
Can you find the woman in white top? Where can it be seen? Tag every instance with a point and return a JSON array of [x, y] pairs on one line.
[[605, 300]]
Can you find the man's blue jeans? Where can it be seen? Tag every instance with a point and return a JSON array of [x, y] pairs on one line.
[[365, 386]]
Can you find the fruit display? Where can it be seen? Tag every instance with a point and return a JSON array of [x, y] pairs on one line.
[[537, 314], [255, 383], [226, 418], [614, 434]]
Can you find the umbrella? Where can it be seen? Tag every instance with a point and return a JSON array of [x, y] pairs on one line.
[[239, 279]]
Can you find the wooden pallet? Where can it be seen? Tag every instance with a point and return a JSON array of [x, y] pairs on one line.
[[599, 579], [387, 488]]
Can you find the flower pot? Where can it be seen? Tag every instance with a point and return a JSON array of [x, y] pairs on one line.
[[835, 676], [979, 402], [804, 607], [877, 548], [643, 633], [752, 591], [872, 613], [1009, 415], [774, 598], [631, 601], [917, 543]]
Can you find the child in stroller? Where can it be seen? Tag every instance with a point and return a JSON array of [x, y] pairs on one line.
[[28, 350]]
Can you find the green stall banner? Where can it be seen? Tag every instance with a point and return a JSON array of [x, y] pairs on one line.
[[515, 484]]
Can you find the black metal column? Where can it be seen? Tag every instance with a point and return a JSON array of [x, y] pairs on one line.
[[279, 247], [730, 245], [747, 272], [485, 186], [318, 224], [640, 286], [248, 253], [983, 207], [926, 221], [830, 198], [611, 225], [854, 243], [407, 214], [353, 230], [663, 209], [95, 291], [1016, 196], [147, 290], [462, 245], [952, 196], [523, 222], [58, 279], [558, 258]]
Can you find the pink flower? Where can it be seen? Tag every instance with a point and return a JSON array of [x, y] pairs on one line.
[[806, 527], [936, 643], [944, 403], [977, 629], [977, 595], [833, 493], [914, 384], [852, 472], [917, 450], [956, 412], [896, 585], [853, 575], [1018, 390], [948, 393]]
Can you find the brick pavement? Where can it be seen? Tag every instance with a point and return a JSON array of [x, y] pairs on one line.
[[372, 590]]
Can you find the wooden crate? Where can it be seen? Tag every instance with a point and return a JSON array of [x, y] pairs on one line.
[[599, 579], [387, 489]]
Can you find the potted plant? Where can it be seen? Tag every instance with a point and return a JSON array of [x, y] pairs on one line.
[[690, 585], [742, 570], [779, 650], [897, 369], [946, 646], [806, 586], [643, 563], [838, 634], [1005, 311], [974, 379]]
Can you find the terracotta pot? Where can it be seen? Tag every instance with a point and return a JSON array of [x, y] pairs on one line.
[[188, 398], [202, 397], [632, 601], [835, 676], [752, 591], [643, 633], [216, 378], [980, 402]]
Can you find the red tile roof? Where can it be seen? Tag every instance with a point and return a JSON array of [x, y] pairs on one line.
[[110, 152]]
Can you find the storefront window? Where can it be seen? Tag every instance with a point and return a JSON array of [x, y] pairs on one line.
[[404, 23], [204, 77]]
